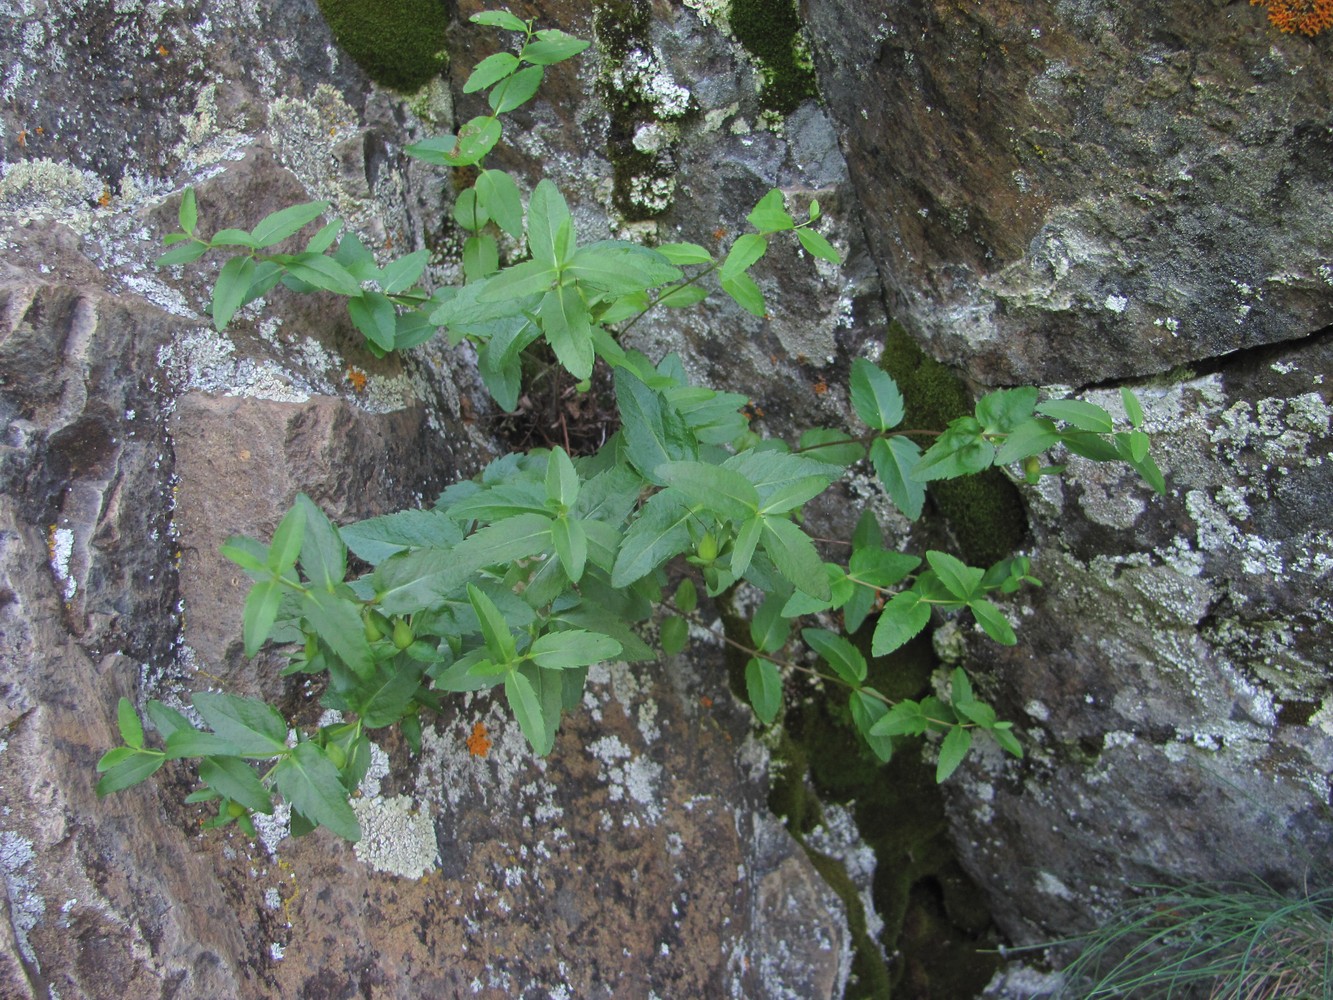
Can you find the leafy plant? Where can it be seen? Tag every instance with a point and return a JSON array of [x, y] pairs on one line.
[[545, 563], [1223, 941]]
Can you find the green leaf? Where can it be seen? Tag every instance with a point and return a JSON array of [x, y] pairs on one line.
[[186, 253], [475, 139], [1006, 739], [1133, 409], [896, 460], [518, 281], [880, 567], [323, 239], [287, 540], [687, 596], [568, 328], [1029, 438], [833, 446], [716, 489], [338, 623], [127, 720], [952, 751], [236, 780], [129, 771], [654, 431], [309, 781], [770, 214], [324, 272], [233, 238], [192, 743], [188, 215], [498, 192], [902, 719], [763, 683], [866, 711], [959, 451], [229, 292], [550, 46], [571, 649], [254, 727], [902, 618], [959, 579], [744, 253], [377, 538], [1003, 410], [794, 494], [481, 257], [846, 660], [742, 550], [817, 246], [402, 273], [547, 213], [438, 150], [875, 396], [527, 709], [499, 19], [494, 629], [660, 532], [492, 69], [1083, 415], [685, 253], [323, 554], [261, 611], [745, 292], [993, 621], [516, 90], [620, 268], [769, 630], [571, 546], [116, 755], [673, 634], [795, 557], [167, 720], [562, 481], [388, 698], [277, 226]]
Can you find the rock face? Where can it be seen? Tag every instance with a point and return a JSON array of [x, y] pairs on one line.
[[1072, 193], [638, 860]]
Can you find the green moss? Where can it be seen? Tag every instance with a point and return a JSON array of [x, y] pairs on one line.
[[399, 43], [870, 976], [770, 30], [984, 513]]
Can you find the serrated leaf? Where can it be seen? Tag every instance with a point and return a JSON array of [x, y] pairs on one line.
[[235, 779], [795, 557], [952, 751], [770, 214], [547, 213], [993, 621], [875, 396], [481, 257], [323, 554], [498, 192], [866, 711], [338, 623], [499, 19], [1006, 739], [309, 781], [377, 538], [532, 277], [550, 46], [167, 720], [255, 728], [1003, 410], [374, 315], [903, 617], [817, 246], [233, 238], [716, 489], [620, 268], [959, 579], [959, 451], [1079, 413], [323, 239], [277, 226], [130, 771], [1029, 438], [114, 756], [846, 660], [494, 629], [517, 90], [527, 709], [742, 550], [388, 697], [881, 567], [229, 291], [895, 460], [562, 481], [763, 683], [654, 431], [902, 719], [260, 612], [491, 70], [571, 546], [568, 327], [127, 721], [402, 273], [660, 532], [571, 649], [193, 743], [475, 139]]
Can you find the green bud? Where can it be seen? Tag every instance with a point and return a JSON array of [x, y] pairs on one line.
[[707, 547], [403, 636], [376, 626], [336, 755], [235, 810]]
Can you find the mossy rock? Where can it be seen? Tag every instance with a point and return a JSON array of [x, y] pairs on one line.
[[984, 513], [398, 43], [770, 30]]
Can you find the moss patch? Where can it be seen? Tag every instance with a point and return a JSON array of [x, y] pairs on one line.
[[399, 43], [770, 30], [984, 513]]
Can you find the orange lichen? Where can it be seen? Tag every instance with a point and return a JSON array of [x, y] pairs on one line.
[[358, 379], [821, 387], [23, 139], [478, 744], [105, 198], [1309, 17], [162, 50]]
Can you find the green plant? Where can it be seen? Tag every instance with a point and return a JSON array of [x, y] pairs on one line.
[[543, 565], [1240, 941]]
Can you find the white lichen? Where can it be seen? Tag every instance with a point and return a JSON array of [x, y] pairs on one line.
[[395, 837]]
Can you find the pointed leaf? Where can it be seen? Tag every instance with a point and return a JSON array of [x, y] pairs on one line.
[[875, 396], [768, 628], [744, 253], [254, 727], [745, 292], [277, 226], [129, 771], [770, 214], [562, 481], [571, 546], [185, 253], [685, 253], [1083, 415], [127, 720], [188, 215], [1029, 438], [723, 491], [550, 46], [323, 554], [516, 90], [795, 557], [527, 709], [491, 70], [1133, 409], [547, 213], [742, 550], [660, 532], [261, 611], [499, 19], [567, 325], [895, 460], [167, 720], [571, 649], [993, 621], [817, 246], [959, 579], [952, 751], [866, 711], [494, 629], [498, 192], [229, 291], [338, 623], [763, 683], [402, 273], [846, 660], [309, 781], [235, 779], [902, 618]]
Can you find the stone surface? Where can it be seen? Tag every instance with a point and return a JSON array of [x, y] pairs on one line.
[[1170, 679], [1074, 192]]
